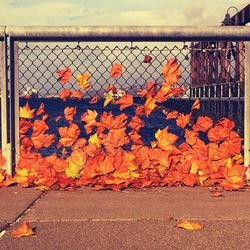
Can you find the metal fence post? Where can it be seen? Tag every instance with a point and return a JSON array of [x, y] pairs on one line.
[[14, 104], [4, 104], [247, 110]]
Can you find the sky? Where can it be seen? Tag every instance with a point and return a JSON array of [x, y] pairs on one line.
[[116, 12]]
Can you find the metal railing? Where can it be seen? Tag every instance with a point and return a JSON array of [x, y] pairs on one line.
[[36, 53]]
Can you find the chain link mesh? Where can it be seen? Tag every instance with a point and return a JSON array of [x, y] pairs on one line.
[[211, 71]]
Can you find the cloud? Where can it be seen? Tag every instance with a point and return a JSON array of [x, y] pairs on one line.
[[112, 12]]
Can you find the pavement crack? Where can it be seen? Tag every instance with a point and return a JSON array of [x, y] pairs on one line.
[[22, 214]]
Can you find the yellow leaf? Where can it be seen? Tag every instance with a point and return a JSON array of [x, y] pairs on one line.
[[189, 225], [94, 139], [26, 112], [194, 168], [73, 170], [83, 80], [228, 162], [108, 98], [22, 172]]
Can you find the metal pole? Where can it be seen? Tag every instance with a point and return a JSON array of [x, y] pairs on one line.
[[4, 104], [247, 110], [129, 33], [14, 104]]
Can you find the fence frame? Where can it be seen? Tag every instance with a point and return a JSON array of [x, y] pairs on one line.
[[118, 33], [4, 98]]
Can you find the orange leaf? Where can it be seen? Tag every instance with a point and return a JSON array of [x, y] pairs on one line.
[[191, 137], [42, 140], [111, 88], [26, 112], [89, 117], [64, 75], [182, 120], [171, 71], [94, 100], [68, 135], [125, 101], [69, 113], [23, 231], [203, 124], [40, 109], [165, 139], [83, 80], [216, 193], [106, 166], [39, 127], [189, 225], [196, 105], [150, 105], [172, 115], [64, 94], [136, 123], [116, 70], [78, 95]]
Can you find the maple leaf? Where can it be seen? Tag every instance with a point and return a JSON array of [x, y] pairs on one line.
[[189, 225], [165, 139], [73, 170], [196, 105], [171, 71], [111, 88], [94, 139], [218, 133], [83, 80], [42, 140], [94, 100], [23, 230], [69, 113], [106, 166], [150, 105], [191, 137], [64, 75], [90, 118], [203, 124], [108, 98], [24, 126], [64, 94], [114, 140], [172, 115], [78, 95], [116, 70], [216, 193], [136, 123], [68, 135], [26, 112], [125, 101], [182, 120], [39, 127], [40, 110]]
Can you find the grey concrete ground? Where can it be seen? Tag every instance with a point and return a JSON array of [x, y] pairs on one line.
[[131, 219]]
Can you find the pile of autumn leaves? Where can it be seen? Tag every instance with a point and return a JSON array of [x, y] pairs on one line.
[[102, 161]]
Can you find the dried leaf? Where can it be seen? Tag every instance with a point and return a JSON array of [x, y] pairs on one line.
[[116, 70], [189, 225], [23, 230], [64, 75]]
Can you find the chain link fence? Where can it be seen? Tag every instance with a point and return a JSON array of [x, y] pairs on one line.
[[211, 71]]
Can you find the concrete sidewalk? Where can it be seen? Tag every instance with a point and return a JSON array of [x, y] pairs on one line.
[[131, 219]]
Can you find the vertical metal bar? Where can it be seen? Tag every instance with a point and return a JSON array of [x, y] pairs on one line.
[[4, 104], [16, 79], [14, 104], [247, 110]]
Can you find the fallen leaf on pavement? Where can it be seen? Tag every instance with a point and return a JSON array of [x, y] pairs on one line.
[[23, 231], [189, 225]]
